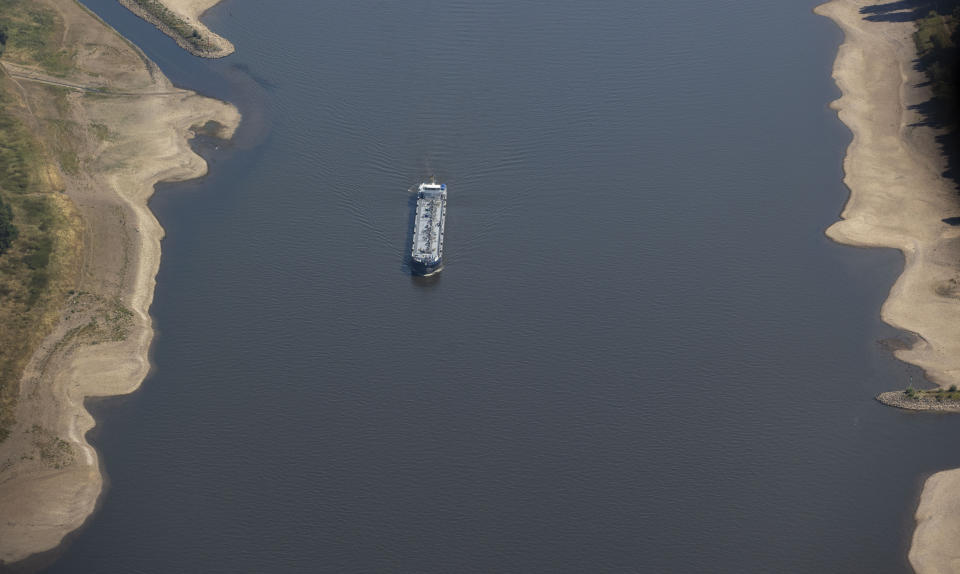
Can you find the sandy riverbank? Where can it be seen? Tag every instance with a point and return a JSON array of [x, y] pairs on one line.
[[899, 199], [125, 141], [183, 24]]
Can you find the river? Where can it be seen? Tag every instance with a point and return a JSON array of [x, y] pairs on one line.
[[643, 355]]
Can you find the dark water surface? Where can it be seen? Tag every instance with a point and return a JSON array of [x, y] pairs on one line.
[[643, 355]]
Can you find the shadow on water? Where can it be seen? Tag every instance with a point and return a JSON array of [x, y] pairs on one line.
[[421, 281], [940, 64], [406, 265]]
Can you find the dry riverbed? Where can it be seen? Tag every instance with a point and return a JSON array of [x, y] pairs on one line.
[[899, 199]]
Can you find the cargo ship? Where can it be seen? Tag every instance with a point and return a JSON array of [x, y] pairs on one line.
[[426, 255]]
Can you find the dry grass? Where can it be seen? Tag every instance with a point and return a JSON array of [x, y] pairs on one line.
[[33, 35], [40, 267]]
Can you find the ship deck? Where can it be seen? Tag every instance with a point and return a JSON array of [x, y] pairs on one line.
[[428, 225]]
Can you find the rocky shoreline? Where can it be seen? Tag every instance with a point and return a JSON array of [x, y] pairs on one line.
[[187, 14], [900, 400]]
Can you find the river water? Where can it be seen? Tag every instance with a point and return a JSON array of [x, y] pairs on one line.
[[643, 354]]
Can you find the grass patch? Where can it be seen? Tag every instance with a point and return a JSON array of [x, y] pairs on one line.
[[18, 151], [63, 134], [53, 450], [939, 395], [38, 267], [33, 36], [101, 132], [69, 161], [8, 231], [936, 40]]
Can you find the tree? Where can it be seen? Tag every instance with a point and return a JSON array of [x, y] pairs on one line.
[[8, 232]]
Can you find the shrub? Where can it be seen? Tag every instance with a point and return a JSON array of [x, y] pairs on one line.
[[8, 231]]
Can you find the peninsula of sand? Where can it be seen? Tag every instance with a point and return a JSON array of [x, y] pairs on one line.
[[113, 126], [900, 199], [180, 19]]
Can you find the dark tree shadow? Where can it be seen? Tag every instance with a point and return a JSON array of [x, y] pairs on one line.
[[906, 10], [940, 63]]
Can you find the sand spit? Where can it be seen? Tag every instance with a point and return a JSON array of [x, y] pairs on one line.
[[185, 15], [126, 140], [925, 403], [899, 199]]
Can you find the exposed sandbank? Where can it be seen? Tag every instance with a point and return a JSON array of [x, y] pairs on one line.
[[127, 140], [183, 24], [899, 199], [926, 403]]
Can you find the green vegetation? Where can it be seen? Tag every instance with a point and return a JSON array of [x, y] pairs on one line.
[[38, 228], [61, 132], [101, 132], [8, 231], [18, 151], [939, 395], [937, 38], [32, 34], [52, 449], [176, 24], [35, 266]]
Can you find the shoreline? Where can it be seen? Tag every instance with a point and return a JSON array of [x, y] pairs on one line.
[[898, 400], [899, 199], [129, 138], [184, 15]]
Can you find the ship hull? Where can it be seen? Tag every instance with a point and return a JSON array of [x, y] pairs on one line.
[[426, 252], [425, 269]]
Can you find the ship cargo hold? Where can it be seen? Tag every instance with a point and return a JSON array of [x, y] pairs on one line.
[[426, 255]]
